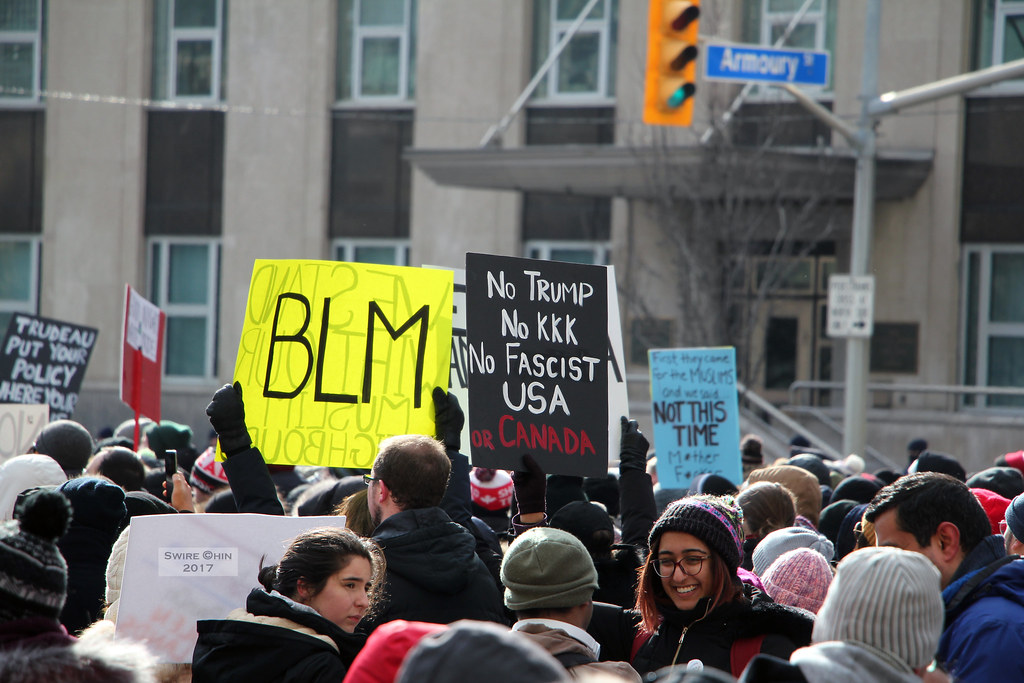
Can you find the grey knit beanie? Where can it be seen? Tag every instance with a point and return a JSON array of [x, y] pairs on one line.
[[1015, 517], [888, 599], [781, 541], [547, 568]]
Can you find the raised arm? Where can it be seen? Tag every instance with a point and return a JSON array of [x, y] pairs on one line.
[[251, 485]]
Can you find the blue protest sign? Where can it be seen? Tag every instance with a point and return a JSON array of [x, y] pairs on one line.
[[696, 414]]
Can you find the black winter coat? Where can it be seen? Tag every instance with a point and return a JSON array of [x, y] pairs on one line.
[[273, 642], [433, 572], [709, 639]]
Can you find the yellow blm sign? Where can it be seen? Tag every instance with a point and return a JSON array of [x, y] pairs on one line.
[[335, 357]]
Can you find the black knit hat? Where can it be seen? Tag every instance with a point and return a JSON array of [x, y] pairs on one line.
[[33, 574], [858, 488], [814, 465], [1006, 481], [716, 520], [67, 442], [930, 461]]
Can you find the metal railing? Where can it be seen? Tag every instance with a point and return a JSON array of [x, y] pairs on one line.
[[951, 391]]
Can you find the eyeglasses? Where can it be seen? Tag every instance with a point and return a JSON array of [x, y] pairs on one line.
[[367, 479], [690, 565]]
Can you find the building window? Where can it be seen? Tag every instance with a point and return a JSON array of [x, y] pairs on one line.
[[994, 335], [184, 172], [188, 50], [381, 252], [19, 277], [585, 70], [1000, 32], [765, 21], [572, 226], [590, 253], [21, 50], [376, 60], [809, 34], [21, 171], [993, 152], [183, 283], [371, 185]]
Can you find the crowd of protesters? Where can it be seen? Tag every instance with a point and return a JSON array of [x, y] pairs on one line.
[[809, 569]]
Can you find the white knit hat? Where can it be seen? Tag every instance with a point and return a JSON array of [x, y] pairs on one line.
[[782, 541], [888, 599]]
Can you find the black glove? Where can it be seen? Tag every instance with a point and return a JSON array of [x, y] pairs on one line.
[[448, 419], [632, 447], [530, 485], [227, 415]]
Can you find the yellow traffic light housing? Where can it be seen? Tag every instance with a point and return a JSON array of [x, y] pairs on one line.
[[672, 51]]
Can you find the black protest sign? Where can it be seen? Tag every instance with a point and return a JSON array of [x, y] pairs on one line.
[[538, 371], [43, 361]]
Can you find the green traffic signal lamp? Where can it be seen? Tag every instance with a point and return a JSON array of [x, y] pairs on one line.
[[683, 93]]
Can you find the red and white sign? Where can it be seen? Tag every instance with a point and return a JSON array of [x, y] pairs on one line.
[[142, 355]]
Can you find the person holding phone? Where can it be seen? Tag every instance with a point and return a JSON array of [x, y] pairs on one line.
[[300, 625]]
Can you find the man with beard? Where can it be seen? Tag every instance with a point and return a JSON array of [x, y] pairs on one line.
[[433, 572]]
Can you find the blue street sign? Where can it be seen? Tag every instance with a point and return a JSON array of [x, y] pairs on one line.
[[765, 65]]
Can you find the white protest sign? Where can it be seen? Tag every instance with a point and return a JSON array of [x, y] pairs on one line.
[[183, 568], [20, 424], [142, 330], [618, 397]]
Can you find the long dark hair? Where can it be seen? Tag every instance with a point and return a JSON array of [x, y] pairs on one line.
[[317, 554], [651, 596]]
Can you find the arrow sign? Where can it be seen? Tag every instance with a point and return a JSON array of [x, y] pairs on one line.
[[851, 306], [765, 65]]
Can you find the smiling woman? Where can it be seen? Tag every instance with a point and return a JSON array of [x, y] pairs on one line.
[[300, 625], [690, 603]]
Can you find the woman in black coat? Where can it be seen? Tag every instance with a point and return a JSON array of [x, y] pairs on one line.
[[690, 603], [301, 625]]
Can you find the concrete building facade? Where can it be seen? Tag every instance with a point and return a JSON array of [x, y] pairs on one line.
[[167, 144]]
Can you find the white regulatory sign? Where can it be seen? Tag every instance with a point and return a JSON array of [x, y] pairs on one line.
[[851, 304]]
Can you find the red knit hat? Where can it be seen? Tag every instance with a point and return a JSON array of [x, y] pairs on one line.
[[385, 650], [1015, 460], [491, 489], [994, 504]]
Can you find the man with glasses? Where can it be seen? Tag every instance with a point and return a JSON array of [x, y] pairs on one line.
[[433, 572]]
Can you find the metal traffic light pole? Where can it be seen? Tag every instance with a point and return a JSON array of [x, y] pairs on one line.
[[862, 139]]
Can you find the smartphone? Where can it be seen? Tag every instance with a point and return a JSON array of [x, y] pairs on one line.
[[170, 468]]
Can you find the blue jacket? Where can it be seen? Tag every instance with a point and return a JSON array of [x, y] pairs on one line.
[[984, 630]]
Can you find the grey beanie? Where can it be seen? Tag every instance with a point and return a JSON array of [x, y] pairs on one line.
[[547, 568], [780, 541], [888, 599], [1015, 517]]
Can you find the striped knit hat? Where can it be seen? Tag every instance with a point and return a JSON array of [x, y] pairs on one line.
[[887, 599], [33, 574], [716, 520]]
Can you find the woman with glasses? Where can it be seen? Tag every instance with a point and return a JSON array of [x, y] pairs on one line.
[[300, 626], [690, 605]]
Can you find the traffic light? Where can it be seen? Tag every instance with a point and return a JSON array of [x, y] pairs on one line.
[[671, 62]]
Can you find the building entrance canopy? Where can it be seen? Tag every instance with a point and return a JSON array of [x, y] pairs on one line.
[[643, 173]]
